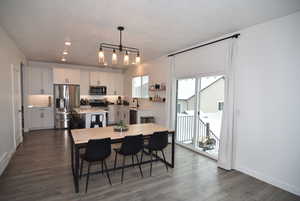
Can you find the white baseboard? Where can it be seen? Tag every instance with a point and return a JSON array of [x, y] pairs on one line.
[[271, 180], [4, 160]]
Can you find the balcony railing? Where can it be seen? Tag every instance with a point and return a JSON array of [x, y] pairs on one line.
[[204, 138]]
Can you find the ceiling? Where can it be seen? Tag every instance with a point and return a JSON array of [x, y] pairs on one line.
[[40, 28]]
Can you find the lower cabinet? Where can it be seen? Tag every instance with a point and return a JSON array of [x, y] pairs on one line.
[[117, 113], [41, 118]]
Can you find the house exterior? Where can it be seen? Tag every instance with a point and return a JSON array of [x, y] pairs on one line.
[[211, 99]]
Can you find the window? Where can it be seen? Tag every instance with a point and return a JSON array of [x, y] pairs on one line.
[[140, 87]]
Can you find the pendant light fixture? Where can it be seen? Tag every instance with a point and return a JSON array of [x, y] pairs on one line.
[[126, 58], [138, 59], [121, 48], [101, 56], [114, 58]]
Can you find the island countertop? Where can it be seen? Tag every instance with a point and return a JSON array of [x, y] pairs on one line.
[[89, 110]]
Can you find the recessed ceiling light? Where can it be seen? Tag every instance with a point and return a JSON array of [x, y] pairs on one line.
[[68, 43], [63, 59], [65, 52]]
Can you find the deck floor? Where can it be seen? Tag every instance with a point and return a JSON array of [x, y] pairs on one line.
[[40, 171]]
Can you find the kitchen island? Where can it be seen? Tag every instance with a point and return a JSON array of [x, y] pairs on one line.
[[88, 112]]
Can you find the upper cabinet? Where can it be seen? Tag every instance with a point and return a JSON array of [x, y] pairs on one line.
[[40, 80], [66, 76], [95, 78], [115, 86], [113, 81], [119, 83], [84, 82]]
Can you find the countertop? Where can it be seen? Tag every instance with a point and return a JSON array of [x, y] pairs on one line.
[[39, 107], [89, 110]]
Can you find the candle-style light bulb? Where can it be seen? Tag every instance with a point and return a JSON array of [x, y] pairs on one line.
[[138, 59], [114, 57], [101, 56], [126, 58]]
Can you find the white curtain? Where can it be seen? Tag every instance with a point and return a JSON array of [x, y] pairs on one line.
[[226, 136], [213, 59]]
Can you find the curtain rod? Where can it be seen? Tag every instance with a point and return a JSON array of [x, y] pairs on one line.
[[209, 43]]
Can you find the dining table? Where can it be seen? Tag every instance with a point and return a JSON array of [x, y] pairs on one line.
[[80, 138]]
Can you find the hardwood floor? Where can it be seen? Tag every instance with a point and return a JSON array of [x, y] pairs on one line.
[[40, 170]]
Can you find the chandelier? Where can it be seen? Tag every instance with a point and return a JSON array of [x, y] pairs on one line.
[[121, 49]]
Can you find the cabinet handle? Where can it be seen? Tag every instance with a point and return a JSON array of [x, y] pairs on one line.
[[42, 115]]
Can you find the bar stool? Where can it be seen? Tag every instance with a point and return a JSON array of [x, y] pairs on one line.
[[96, 151], [131, 146], [157, 142], [97, 119]]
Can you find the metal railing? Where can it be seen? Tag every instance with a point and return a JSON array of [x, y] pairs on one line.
[[185, 131], [185, 128]]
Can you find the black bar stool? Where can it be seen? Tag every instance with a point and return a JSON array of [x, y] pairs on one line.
[[157, 142], [96, 151], [131, 146], [97, 119]]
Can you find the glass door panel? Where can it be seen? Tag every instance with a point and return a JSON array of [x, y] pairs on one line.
[[185, 117], [209, 115]]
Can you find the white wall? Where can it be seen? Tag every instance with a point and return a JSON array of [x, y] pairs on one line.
[[158, 71], [267, 133], [268, 102], [9, 54]]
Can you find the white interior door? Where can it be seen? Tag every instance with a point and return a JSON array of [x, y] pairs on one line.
[[17, 104]]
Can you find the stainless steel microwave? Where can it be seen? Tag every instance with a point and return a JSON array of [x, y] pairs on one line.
[[97, 90]]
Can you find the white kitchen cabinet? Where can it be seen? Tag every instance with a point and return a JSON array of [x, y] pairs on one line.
[[125, 114], [113, 81], [41, 118], [118, 84], [84, 82], [95, 78], [48, 119], [40, 80], [36, 119], [110, 83], [122, 114], [66, 76], [114, 84]]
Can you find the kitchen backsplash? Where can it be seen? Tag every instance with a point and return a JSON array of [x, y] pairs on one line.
[[109, 98], [40, 101]]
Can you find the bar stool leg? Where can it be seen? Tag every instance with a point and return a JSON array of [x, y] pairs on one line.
[[107, 173], [151, 163], [115, 164], [139, 162], [162, 151], [142, 156], [124, 157], [87, 178], [81, 167], [132, 159]]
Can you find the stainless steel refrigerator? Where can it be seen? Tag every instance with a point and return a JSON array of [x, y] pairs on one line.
[[66, 98]]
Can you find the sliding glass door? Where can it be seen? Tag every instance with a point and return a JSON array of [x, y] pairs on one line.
[[186, 113], [199, 113]]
